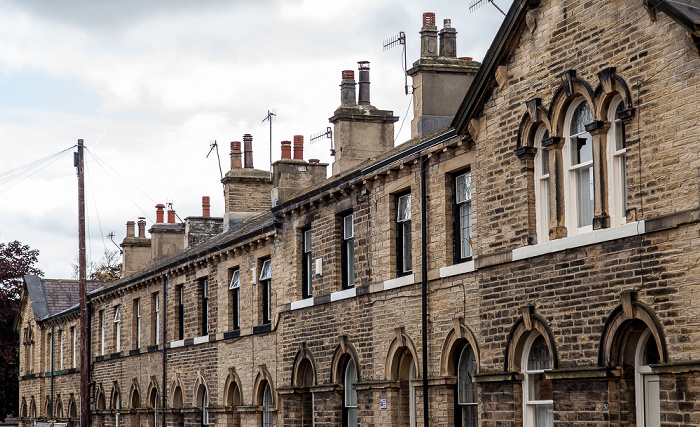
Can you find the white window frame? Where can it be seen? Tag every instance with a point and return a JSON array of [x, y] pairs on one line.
[[205, 408], [118, 323], [348, 250], [156, 309], [267, 403], [466, 351], [571, 175], [350, 393], [138, 323], [412, 414], [74, 331], [235, 288], [102, 332], [530, 405], [617, 167], [403, 224], [646, 386], [60, 343], [463, 200], [542, 183], [307, 275]]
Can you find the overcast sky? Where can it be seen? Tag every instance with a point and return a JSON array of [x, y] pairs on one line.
[[149, 84]]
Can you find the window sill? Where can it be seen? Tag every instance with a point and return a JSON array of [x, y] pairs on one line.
[[596, 236], [456, 269], [200, 340], [399, 282]]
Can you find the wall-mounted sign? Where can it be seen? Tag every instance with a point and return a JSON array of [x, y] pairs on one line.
[[382, 403]]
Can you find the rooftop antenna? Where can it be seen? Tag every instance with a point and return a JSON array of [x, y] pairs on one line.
[[475, 4], [270, 115], [111, 237], [395, 41], [214, 146], [328, 133]]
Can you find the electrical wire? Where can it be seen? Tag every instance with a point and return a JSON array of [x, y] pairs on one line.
[[23, 172], [94, 203]]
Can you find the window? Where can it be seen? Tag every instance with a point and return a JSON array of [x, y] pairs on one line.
[[205, 306], [49, 352], [462, 216], [117, 406], [156, 318], [204, 405], [647, 392], [60, 343], [542, 185], [347, 251], [403, 234], [74, 344], [137, 323], [235, 287], [578, 167], [616, 157], [118, 328], [102, 332], [466, 410], [537, 390], [350, 394], [267, 406], [181, 312], [306, 275], [266, 293]]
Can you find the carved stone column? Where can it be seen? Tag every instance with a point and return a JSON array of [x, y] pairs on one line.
[[599, 133], [557, 226]]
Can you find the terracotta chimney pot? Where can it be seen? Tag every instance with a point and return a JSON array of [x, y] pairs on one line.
[[236, 155], [286, 149], [159, 213], [142, 227], [299, 147], [205, 206], [171, 216]]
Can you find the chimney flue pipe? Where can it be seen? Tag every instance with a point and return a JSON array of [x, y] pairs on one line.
[[248, 151], [159, 213], [286, 149], [206, 206], [363, 67], [142, 227], [130, 229], [299, 147]]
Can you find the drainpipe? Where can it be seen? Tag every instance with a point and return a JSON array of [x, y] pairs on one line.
[[424, 282], [165, 311], [53, 337]]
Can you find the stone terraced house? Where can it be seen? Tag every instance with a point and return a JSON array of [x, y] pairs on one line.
[[530, 257]]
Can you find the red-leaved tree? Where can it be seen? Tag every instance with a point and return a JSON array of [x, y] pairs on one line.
[[16, 260]]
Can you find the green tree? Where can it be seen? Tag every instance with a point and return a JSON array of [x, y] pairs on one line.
[[108, 269], [16, 260]]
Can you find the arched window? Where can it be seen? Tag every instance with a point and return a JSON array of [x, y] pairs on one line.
[[646, 385], [23, 408], [617, 169], [578, 167], [58, 411], [72, 408], [537, 390], [116, 407], [542, 185], [350, 394], [267, 406], [305, 380], [153, 402], [178, 400], [466, 408], [203, 403]]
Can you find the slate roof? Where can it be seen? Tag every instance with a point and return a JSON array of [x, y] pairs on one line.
[[49, 297]]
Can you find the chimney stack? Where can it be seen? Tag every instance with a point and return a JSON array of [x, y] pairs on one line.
[[299, 147], [448, 40], [159, 213], [363, 68], [248, 151], [236, 155], [171, 216], [348, 97], [286, 149], [205, 206], [428, 36], [142, 227]]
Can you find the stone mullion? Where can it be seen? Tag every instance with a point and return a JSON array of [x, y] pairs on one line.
[[599, 134], [557, 225]]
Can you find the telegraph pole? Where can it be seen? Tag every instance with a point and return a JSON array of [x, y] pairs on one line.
[[84, 343]]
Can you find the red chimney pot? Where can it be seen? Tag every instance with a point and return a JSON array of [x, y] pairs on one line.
[[299, 147], [205, 206], [428, 18], [159, 213], [286, 149], [348, 74], [142, 227], [171, 216]]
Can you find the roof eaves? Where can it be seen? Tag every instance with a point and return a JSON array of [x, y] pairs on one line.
[[478, 89]]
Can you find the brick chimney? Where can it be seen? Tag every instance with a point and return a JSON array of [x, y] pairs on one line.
[[290, 176], [440, 79], [136, 251], [361, 130], [201, 228], [166, 239], [246, 190]]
